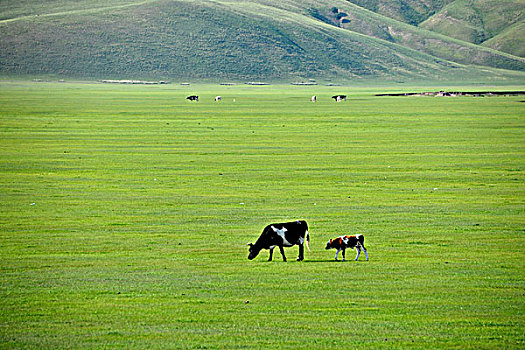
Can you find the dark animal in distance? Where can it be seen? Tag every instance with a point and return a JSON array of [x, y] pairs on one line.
[[342, 242], [193, 98], [339, 98], [282, 235]]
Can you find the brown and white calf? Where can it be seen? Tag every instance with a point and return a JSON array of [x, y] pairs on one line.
[[342, 242], [282, 235]]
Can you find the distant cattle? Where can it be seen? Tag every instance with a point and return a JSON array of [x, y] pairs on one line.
[[282, 235], [314, 98], [343, 242], [339, 98], [218, 98], [193, 98]]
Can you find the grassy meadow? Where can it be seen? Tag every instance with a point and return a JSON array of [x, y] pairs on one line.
[[125, 213]]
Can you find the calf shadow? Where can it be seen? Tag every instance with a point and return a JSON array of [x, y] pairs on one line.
[[332, 261]]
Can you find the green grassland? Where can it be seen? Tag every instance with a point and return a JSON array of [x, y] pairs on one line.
[[126, 211]]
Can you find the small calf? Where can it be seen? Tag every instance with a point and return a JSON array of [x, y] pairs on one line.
[[343, 242]]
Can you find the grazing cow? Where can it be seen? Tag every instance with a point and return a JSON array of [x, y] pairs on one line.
[[218, 98], [282, 235], [193, 98], [339, 98], [343, 242], [314, 98]]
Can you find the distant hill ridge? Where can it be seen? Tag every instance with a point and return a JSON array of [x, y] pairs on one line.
[[258, 39]]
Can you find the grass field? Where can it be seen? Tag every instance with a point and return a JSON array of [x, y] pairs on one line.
[[125, 213]]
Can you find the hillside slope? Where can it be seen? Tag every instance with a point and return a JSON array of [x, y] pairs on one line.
[[408, 11], [493, 23], [437, 45], [510, 40], [237, 40], [477, 21]]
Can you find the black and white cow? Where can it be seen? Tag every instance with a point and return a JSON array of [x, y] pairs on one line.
[[193, 98], [282, 235], [339, 98]]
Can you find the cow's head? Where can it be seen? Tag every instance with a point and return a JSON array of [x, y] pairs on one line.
[[253, 251], [329, 244]]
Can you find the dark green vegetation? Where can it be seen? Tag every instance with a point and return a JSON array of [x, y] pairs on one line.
[[270, 40], [125, 212]]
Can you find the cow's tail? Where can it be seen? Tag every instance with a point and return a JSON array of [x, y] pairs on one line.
[[360, 239], [306, 234], [307, 241]]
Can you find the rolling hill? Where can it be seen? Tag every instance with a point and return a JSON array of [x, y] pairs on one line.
[[509, 40], [495, 24], [408, 11], [244, 40], [481, 21]]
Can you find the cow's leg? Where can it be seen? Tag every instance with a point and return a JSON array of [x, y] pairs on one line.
[[301, 253], [344, 252], [358, 252], [366, 254], [282, 252], [337, 252], [271, 254]]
